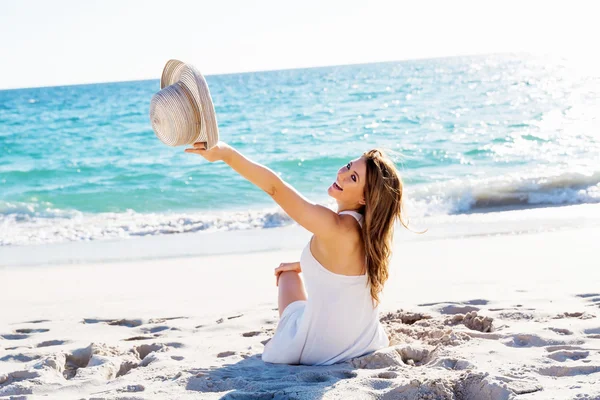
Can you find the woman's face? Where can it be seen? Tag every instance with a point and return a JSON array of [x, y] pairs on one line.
[[349, 186]]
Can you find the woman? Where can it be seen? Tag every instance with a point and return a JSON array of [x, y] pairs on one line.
[[345, 264]]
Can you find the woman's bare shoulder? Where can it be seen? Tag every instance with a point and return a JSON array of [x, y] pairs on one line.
[[341, 253]]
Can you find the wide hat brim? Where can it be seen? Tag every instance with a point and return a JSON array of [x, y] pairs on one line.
[[178, 72]]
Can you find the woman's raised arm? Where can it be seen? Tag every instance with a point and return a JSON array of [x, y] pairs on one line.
[[318, 219]]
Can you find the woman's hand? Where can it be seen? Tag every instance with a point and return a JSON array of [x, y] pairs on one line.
[[295, 266], [217, 153]]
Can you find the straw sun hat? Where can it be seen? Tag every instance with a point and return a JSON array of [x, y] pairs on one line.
[[182, 112]]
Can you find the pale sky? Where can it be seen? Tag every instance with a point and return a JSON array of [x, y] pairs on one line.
[[59, 42]]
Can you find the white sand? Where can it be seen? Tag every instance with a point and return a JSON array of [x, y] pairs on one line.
[[483, 317]]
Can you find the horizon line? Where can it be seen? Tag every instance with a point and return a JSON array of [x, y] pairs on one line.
[[274, 70]]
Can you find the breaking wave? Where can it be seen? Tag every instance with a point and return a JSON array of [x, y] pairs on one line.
[[37, 223]]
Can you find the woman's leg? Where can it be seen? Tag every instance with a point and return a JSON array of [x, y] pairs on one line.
[[291, 289]]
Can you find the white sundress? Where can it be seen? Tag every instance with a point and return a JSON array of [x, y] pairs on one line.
[[337, 322]]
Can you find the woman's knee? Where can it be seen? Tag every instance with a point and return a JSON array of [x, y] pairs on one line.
[[290, 275], [291, 282], [291, 289]]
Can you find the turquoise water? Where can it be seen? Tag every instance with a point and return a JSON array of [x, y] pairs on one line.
[[469, 134]]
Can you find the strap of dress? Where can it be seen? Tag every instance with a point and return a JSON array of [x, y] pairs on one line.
[[357, 216]]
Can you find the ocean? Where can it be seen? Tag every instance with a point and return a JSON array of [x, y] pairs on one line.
[[469, 135]]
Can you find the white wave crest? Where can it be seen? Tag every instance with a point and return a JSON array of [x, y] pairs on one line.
[[22, 224], [507, 191]]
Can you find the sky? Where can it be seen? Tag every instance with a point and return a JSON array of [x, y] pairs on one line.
[[61, 42]]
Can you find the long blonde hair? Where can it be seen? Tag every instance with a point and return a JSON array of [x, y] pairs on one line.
[[383, 206]]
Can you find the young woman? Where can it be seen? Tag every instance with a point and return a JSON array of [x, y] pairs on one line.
[[345, 264]]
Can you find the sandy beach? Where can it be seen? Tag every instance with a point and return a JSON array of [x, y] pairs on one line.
[[506, 315], [138, 264]]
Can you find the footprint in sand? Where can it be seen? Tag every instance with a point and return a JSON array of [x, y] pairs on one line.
[[130, 323], [49, 343], [37, 321], [344, 374], [22, 333], [452, 308], [564, 355], [399, 355], [251, 333], [593, 333], [79, 358], [136, 322], [561, 331], [155, 329], [163, 320], [175, 345], [134, 338], [387, 375], [530, 340], [131, 389], [588, 295], [17, 347], [593, 299], [312, 377], [560, 371], [143, 350], [454, 364], [14, 336], [20, 357], [29, 330], [147, 353], [404, 317], [109, 362], [578, 315], [475, 302], [514, 315], [376, 383], [551, 349]]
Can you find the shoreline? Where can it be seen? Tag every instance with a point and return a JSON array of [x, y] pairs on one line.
[[194, 244]]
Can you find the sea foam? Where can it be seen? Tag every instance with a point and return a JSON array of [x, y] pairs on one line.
[[29, 223]]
